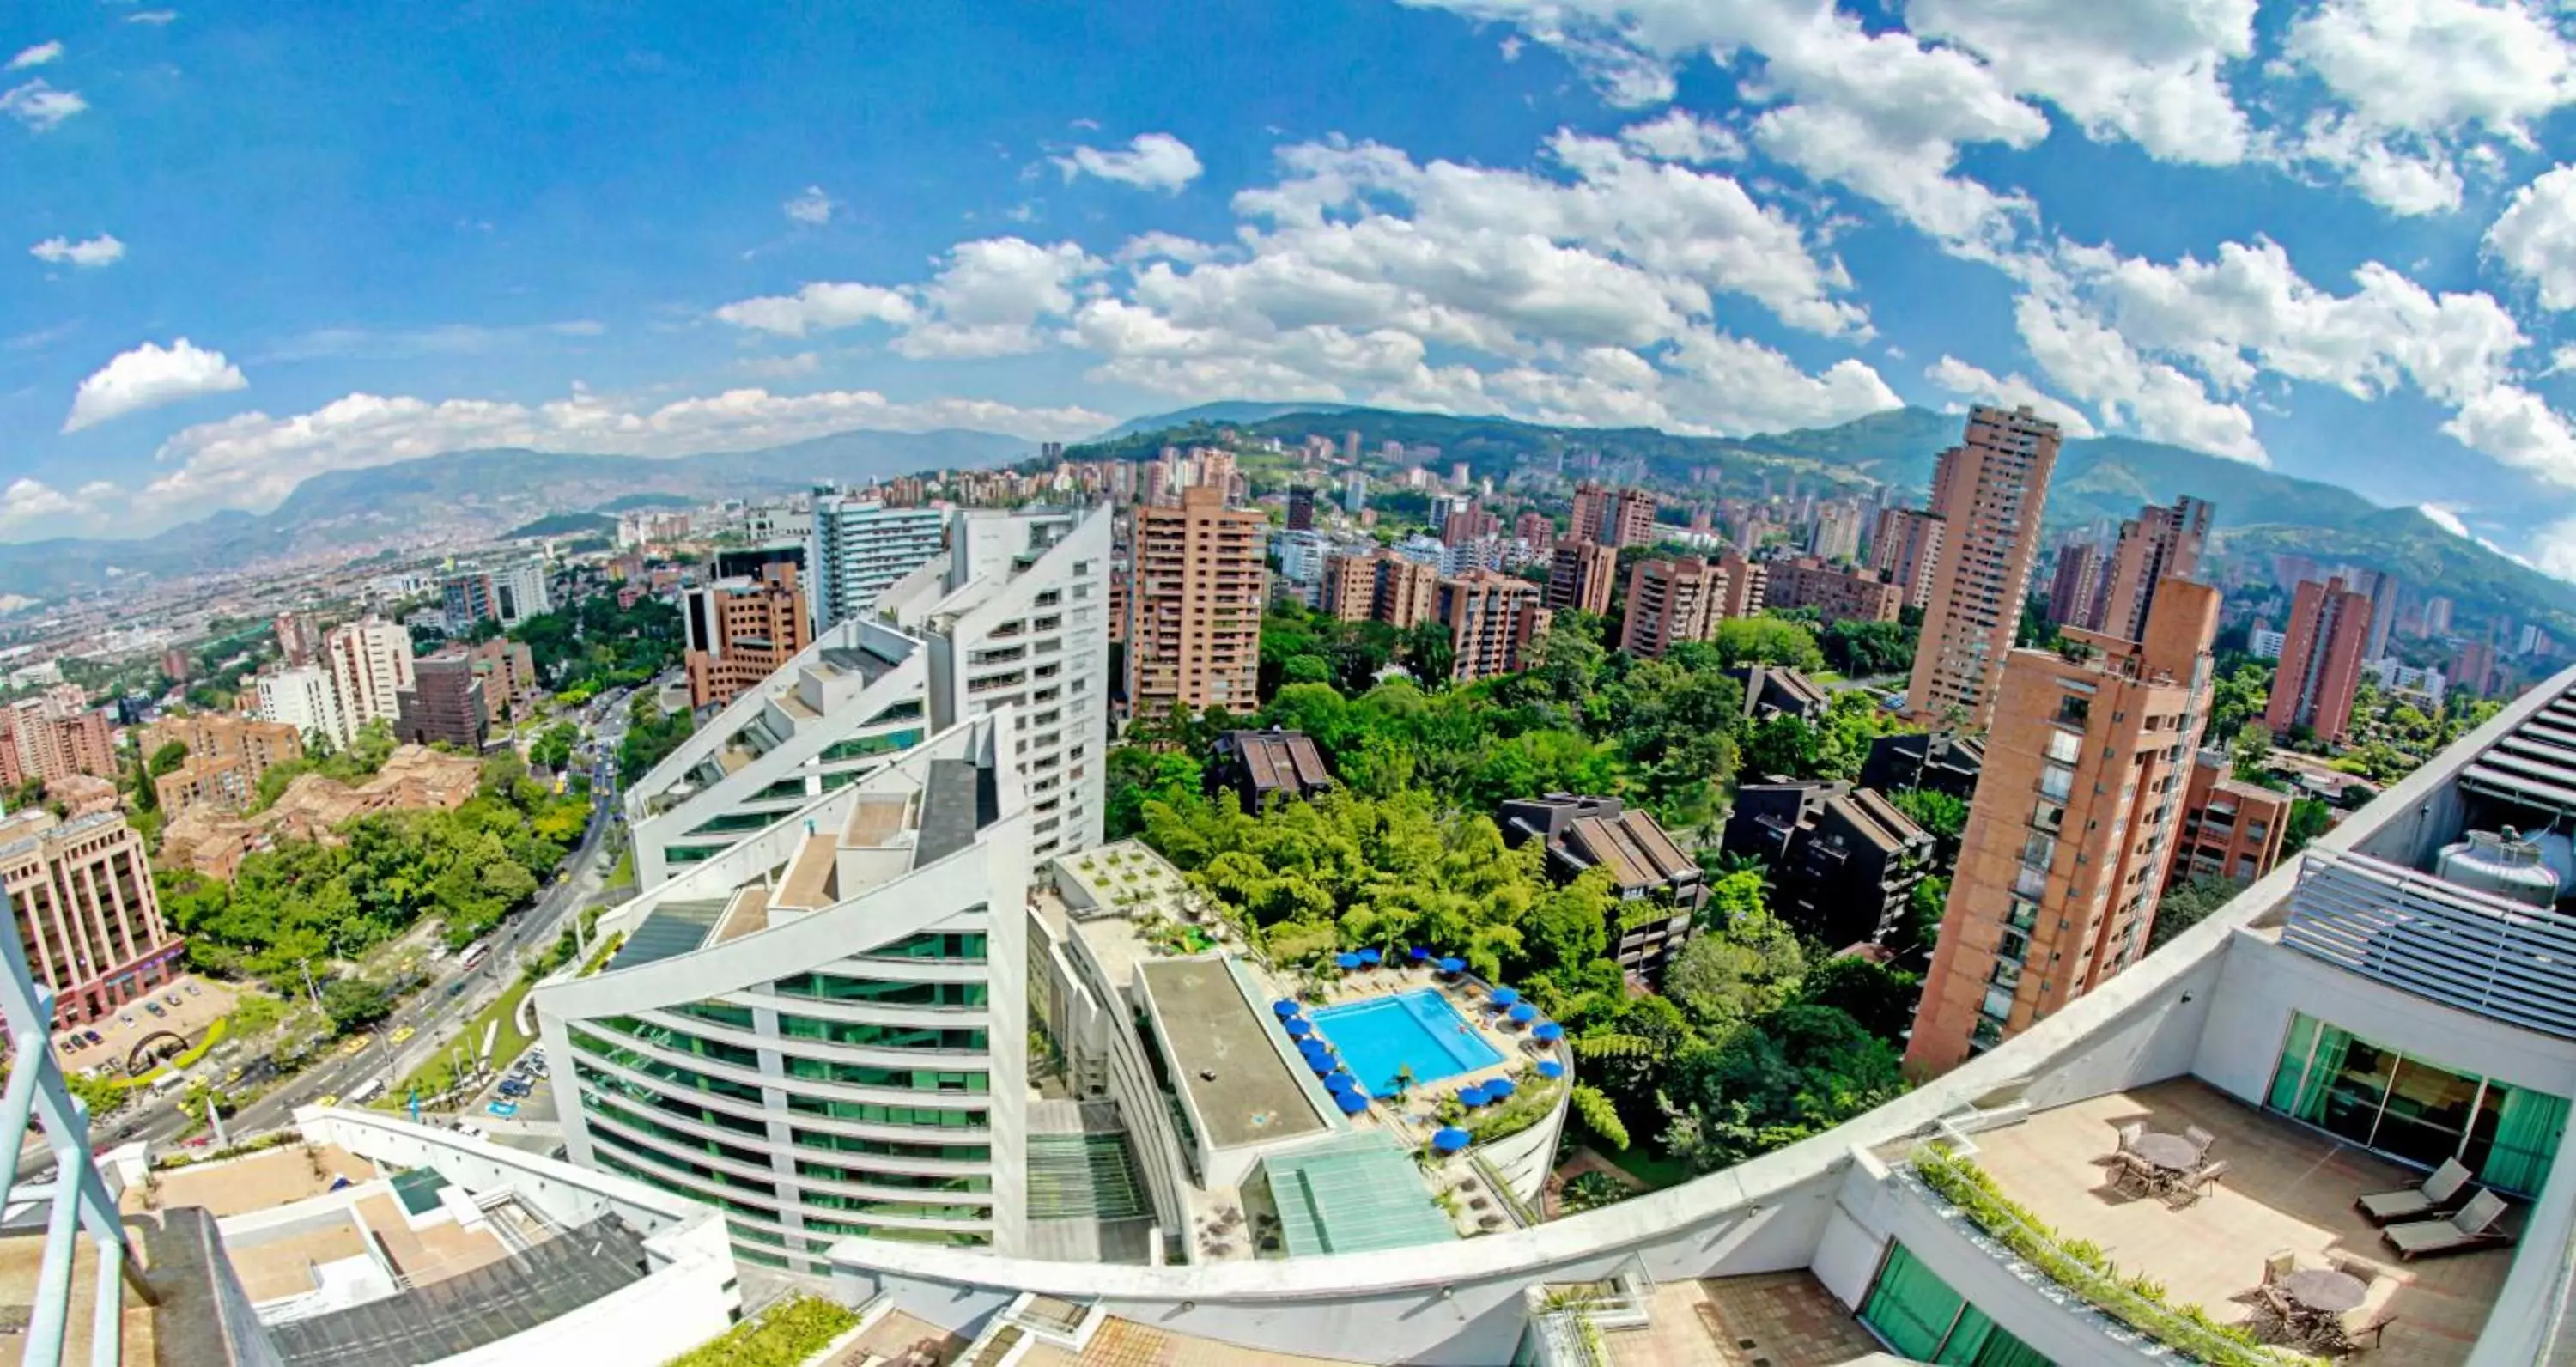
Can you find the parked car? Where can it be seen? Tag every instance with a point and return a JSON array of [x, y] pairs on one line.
[[514, 1089], [155, 1008], [125, 1017], [93, 1037], [192, 989], [503, 1109], [172, 998]]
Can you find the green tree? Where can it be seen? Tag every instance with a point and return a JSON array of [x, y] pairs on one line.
[[2187, 905], [2309, 818], [168, 758], [553, 748], [1730, 974], [1138, 776], [2249, 753], [1767, 641], [1797, 1072], [1880, 998], [352, 1002], [1943, 817], [1590, 1191]]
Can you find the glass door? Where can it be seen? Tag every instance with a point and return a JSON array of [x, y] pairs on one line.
[[2423, 1113], [2426, 1117]]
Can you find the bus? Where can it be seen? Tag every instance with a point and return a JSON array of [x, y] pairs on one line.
[[474, 954]]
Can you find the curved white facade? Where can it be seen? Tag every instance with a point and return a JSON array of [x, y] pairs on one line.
[[2215, 1005], [822, 1031]]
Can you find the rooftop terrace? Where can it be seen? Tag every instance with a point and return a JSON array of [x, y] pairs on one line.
[[1221, 1050], [2287, 1187]]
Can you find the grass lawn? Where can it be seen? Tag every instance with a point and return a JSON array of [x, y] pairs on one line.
[[506, 1047], [623, 873], [1656, 1170]]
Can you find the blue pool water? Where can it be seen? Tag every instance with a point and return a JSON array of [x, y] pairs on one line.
[[1420, 1030]]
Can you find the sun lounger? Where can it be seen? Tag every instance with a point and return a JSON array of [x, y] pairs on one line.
[[2436, 1195], [2472, 1228]]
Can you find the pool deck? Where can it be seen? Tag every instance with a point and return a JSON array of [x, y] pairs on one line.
[[1413, 1118]]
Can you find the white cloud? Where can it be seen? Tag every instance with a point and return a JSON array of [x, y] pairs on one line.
[[2535, 236], [40, 106], [155, 17], [1679, 136], [1153, 161], [2146, 70], [253, 460], [148, 377], [38, 55], [2090, 360], [2553, 549], [2445, 519], [794, 367], [2424, 79], [29, 502], [102, 250], [822, 306], [2010, 391], [991, 295], [812, 207], [1149, 246]]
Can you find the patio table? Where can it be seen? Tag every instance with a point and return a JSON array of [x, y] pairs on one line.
[[2324, 1290], [2170, 1152]]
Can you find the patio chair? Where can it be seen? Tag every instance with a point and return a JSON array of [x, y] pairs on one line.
[[2279, 1265], [2360, 1324], [2195, 1184], [2473, 1227], [2200, 1139], [2132, 1175], [2437, 1195], [2361, 1270], [2130, 1134]]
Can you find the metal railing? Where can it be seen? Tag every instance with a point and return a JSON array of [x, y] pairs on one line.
[[78, 1195], [2451, 944]]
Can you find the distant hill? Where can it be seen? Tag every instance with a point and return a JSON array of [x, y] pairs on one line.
[[482, 493], [2260, 512], [637, 503], [1239, 412], [563, 524]]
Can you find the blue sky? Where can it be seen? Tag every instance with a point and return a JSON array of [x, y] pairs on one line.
[[243, 244]]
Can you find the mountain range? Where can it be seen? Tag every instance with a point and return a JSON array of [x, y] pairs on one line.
[[489, 492], [485, 493], [2259, 512]]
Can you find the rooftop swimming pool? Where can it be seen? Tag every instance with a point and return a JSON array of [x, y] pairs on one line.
[[1420, 1030]]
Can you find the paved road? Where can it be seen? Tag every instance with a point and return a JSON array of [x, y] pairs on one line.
[[434, 1014]]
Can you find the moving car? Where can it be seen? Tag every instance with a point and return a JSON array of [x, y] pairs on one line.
[[402, 1033], [331, 1100], [357, 1045], [503, 1109]]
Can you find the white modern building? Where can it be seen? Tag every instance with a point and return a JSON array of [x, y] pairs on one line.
[[521, 591], [370, 662], [860, 548], [1015, 611], [822, 1031], [306, 698], [2394, 999]]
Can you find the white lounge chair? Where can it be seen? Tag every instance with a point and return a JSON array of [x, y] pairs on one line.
[[2472, 1228], [2436, 1195]]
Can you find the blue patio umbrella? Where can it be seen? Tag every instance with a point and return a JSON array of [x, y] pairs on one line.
[[1499, 1088], [1448, 1139], [1504, 996], [1299, 1027], [1524, 1013], [1346, 961], [1283, 1008], [1417, 954], [1551, 1069], [1547, 1032], [1369, 957], [1471, 1096], [1340, 1080], [1449, 965], [1314, 1048], [1319, 1063], [1352, 1103]]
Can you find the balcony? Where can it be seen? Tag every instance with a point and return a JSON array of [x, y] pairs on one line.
[[2463, 948], [2287, 1187]]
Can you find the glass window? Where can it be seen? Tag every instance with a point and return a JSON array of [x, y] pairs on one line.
[[965, 947], [1923, 1319], [869, 1112], [2056, 781], [865, 1035], [832, 987], [634, 1061], [2064, 746], [2414, 1110], [678, 1042]]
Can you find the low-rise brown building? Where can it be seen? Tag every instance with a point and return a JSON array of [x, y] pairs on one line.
[[444, 703], [226, 757], [741, 631], [1843, 860], [1834, 592], [508, 670], [2230, 829], [1647, 870], [414, 777], [1257, 766]]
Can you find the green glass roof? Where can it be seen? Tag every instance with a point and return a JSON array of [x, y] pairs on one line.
[[1357, 1193]]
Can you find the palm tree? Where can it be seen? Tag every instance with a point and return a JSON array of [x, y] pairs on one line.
[[1403, 1080]]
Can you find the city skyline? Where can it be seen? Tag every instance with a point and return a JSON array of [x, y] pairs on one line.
[[2333, 278]]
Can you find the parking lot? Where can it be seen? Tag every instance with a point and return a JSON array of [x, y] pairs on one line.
[[535, 1105], [199, 1003]]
